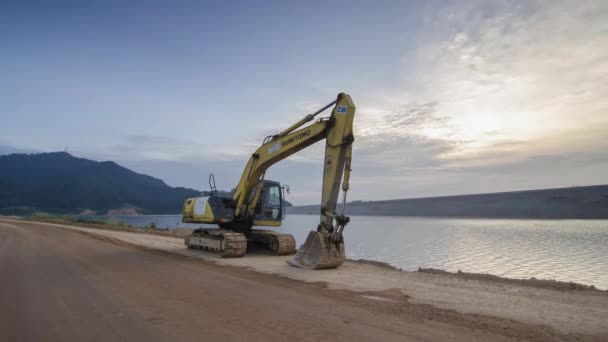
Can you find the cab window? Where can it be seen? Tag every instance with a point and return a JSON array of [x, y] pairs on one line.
[[272, 205]]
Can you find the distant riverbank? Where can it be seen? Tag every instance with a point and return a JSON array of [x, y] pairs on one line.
[[584, 202]]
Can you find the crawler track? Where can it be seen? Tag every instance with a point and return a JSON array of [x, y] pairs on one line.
[[218, 242], [275, 243]]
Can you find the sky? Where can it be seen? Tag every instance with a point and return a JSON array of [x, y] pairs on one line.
[[453, 97]]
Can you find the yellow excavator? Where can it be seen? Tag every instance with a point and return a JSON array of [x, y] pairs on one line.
[[259, 202]]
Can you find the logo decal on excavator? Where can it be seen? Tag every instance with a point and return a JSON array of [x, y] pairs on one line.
[[272, 149], [341, 109], [296, 137]]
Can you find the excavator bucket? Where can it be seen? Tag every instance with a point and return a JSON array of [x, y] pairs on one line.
[[319, 252]]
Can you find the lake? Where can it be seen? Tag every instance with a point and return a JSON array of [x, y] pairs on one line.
[[567, 250]]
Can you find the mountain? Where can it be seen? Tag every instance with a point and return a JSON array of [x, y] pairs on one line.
[[61, 183], [584, 202]]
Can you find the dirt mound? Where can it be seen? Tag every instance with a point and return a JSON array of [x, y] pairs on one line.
[[182, 232]]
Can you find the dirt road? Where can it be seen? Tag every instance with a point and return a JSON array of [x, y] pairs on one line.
[[64, 285]]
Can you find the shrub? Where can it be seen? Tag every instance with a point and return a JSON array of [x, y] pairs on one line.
[[43, 215], [115, 222]]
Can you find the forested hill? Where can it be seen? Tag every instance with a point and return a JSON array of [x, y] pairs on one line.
[[61, 183], [584, 202]]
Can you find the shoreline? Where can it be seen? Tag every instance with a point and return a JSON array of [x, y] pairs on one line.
[[446, 217], [464, 217], [181, 232], [534, 282]]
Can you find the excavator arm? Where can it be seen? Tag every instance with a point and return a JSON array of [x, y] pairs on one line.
[[338, 132], [267, 155]]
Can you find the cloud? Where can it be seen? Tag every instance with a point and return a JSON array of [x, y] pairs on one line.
[[162, 148], [494, 89], [493, 96], [518, 71]]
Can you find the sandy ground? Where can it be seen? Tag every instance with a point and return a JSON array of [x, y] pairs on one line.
[[62, 282]]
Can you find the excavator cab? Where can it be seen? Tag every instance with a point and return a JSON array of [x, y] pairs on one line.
[[269, 209]]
